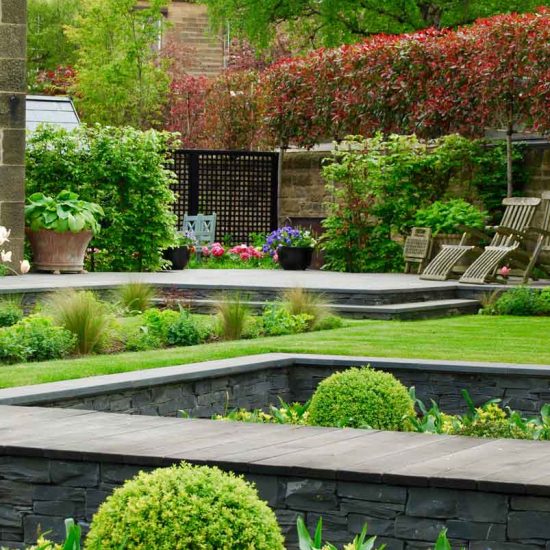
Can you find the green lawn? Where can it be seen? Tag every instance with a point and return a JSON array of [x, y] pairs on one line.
[[471, 338]]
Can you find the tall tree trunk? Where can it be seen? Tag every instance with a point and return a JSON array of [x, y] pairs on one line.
[[509, 155]]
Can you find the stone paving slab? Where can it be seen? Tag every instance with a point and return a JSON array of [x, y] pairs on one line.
[[257, 279], [228, 279], [343, 454]]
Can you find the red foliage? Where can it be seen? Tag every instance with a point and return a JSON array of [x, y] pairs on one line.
[[242, 56], [56, 82], [492, 73], [233, 112], [186, 103]]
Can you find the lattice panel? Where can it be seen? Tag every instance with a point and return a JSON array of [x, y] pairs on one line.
[[240, 187], [181, 168]]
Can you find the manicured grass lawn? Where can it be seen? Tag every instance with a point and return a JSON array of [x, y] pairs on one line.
[[471, 338]]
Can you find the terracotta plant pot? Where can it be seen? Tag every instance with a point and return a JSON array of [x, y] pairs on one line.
[[295, 258], [179, 256], [58, 252]]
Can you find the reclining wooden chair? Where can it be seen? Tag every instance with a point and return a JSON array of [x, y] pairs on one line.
[[483, 269], [543, 239], [517, 218]]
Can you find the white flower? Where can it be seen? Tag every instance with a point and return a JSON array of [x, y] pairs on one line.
[[4, 235], [25, 267], [5, 256]]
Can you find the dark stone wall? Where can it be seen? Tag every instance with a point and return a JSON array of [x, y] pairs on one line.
[[38, 493], [12, 122], [199, 399], [259, 389], [524, 393]]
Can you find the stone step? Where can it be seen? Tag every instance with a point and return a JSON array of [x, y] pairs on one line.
[[403, 311], [411, 310]]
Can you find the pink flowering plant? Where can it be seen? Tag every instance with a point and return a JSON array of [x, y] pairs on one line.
[[218, 255], [6, 255]]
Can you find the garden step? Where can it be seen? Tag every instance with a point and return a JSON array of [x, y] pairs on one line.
[[404, 311], [411, 310]]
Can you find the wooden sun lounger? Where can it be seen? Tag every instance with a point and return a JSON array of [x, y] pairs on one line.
[[494, 256], [516, 220]]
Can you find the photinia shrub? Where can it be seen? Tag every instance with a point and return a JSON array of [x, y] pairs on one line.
[[493, 73]]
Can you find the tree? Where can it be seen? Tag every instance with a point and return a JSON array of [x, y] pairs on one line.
[[121, 78], [47, 46], [333, 22]]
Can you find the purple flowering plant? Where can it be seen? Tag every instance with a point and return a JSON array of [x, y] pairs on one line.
[[288, 236]]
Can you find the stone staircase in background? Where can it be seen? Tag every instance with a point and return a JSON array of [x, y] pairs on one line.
[[190, 27]]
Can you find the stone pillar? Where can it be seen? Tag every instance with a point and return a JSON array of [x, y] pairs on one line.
[[13, 15]]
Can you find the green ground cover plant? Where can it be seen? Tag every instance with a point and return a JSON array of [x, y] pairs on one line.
[[71, 323], [11, 312], [521, 301], [465, 338]]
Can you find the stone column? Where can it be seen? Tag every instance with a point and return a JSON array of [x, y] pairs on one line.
[[13, 15]]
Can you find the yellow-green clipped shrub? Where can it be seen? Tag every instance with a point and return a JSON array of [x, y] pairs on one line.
[[360, 398], [185, 507], [492, 421]]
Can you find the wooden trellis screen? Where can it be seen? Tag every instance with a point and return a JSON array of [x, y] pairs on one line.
[[239, 186]]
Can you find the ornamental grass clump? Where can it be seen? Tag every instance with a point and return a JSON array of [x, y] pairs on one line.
[[298, 301], [233, 315], [361, 398], [135, 297], [185, 507], [81, 313]]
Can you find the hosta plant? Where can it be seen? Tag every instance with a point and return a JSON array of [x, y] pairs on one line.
[[65, 212]]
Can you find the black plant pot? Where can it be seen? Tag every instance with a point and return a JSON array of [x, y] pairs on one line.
[[179, 256], [295, 258]]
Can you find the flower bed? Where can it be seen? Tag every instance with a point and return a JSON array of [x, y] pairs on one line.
[[371, 399], [78, 323]]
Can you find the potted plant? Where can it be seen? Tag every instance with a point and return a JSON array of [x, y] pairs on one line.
[[59, 230], [292, 247], [179, 255], [445, 219]]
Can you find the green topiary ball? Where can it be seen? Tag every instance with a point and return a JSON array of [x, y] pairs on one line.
[[360, 398], [185, 507]]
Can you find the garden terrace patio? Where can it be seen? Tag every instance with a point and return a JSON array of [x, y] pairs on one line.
[[488, 493], [360, 295]]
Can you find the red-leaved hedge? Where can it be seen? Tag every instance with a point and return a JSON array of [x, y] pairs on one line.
[[494, 73]]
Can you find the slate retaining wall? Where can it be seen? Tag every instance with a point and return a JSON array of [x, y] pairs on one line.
[[260, 388], [38, 493]]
